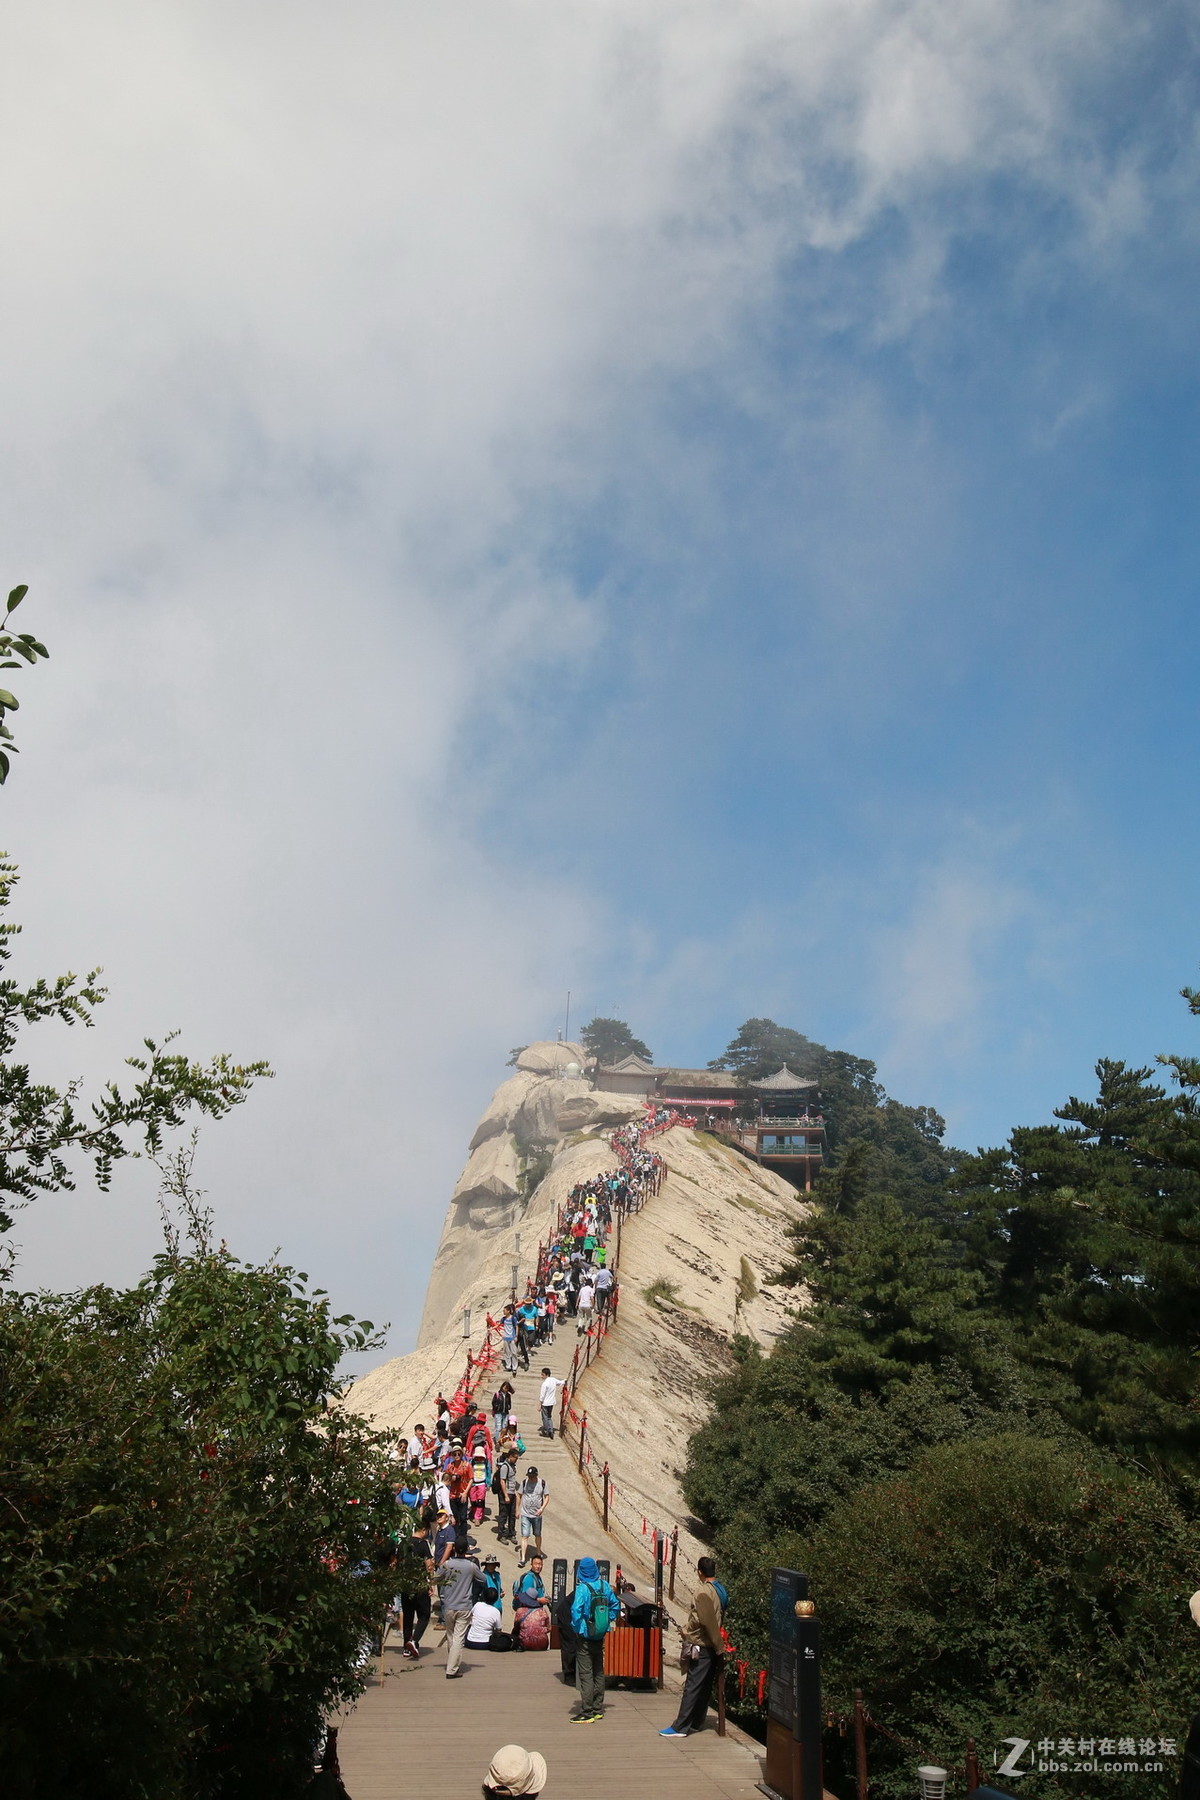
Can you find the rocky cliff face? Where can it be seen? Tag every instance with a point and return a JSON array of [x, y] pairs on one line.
[[694, 1270], [539, 1111]]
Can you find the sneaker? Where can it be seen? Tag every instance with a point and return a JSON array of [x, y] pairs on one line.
[[411, 1651], [671, 1732], [582, 1718]]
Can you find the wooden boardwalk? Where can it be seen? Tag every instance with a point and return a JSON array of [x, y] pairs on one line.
[[415, 1733]]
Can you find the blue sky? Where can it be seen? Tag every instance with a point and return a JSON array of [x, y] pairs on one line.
[[691, 505]]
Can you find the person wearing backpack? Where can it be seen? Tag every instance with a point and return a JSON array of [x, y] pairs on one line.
[[534, 1501], [594, 1611]]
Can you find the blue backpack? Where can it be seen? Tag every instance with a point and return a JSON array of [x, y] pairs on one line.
[[527, 1588]]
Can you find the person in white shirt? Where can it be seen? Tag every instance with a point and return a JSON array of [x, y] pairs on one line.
[[584, 1305], [547, 1400], [485, 1622]]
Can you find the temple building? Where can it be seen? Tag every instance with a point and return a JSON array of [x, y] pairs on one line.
[[777, 1121]]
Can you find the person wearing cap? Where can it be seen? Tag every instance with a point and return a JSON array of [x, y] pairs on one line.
[[594, 1611], [458, 1479], [514, 1771], [489, 1587]]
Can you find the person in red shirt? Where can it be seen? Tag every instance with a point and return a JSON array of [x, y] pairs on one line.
[[458, 1480]]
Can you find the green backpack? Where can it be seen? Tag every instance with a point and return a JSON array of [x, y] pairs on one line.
[[599, 1613]]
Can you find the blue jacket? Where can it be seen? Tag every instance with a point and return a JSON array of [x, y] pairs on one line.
[[581, 1609]]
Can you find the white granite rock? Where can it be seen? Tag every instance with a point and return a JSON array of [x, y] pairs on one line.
[[551, 1059], [503, 1107]]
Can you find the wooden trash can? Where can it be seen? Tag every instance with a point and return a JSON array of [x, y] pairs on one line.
[[633, 1653]]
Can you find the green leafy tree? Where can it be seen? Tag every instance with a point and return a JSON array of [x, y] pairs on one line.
[[195, 1537], [44, 1129], [1006, 1587], [761, 1046], [1025, 1312], [611, 1040], [1089, 1233], [16, 649], [884, 1146], [893, 1353]]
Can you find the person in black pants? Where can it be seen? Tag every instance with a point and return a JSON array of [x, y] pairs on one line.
[[703, 1650], [509, 1487], [415, 1602], [567, 1641]]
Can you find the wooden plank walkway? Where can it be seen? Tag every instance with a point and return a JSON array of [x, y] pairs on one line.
[[414, 1732]]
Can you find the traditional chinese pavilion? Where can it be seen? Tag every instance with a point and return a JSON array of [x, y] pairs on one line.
[[777, 1121]]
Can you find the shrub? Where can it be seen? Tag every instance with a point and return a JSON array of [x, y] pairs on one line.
[[193, 1538], [1001, 1587]]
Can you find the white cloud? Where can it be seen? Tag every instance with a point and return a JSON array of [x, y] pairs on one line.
[[310, 312]]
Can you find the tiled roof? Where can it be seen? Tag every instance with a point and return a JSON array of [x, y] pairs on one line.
[[782, 1081]]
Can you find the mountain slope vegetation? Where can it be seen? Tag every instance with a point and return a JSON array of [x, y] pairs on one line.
[[982, 1428]]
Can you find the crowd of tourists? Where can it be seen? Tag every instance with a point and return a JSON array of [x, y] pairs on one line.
[[447, 1476]]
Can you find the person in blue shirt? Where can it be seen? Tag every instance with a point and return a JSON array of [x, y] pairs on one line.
[[529, 1596], [594, 1611], [527, 1319]]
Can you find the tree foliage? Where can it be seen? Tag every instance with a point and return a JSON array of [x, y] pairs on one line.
[[16, 649], [980, 1435], [190, 1535], [43, 1128], [611, 1040], [194, 1536]]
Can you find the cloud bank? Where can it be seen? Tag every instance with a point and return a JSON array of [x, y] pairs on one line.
[[352, 359]]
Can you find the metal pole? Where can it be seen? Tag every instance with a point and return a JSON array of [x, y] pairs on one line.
[[582, 1436], [605, 1479], [567, 1032], [674, 1556], [466, 1321], [720, 1696], [658, 1589], [860, 1746], [974, 1777]]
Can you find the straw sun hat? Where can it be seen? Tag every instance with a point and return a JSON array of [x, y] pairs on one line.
[[517, 1771]]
